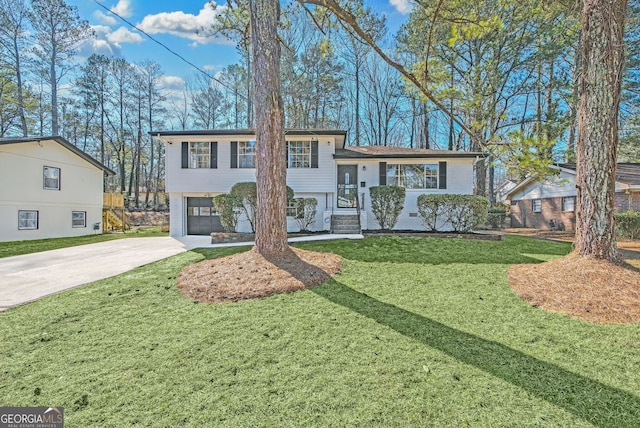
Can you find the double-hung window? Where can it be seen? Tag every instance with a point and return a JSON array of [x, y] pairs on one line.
[[51, 178], [536, 205], [299, 154], [27, 220], [413, 176], [200, 154], [569, 203], [246, 154]]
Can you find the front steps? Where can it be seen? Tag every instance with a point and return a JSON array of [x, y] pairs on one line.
[[345, 224]]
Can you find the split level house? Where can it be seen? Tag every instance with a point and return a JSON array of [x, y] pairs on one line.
[[550, 203], [50, 189], [203, 164]]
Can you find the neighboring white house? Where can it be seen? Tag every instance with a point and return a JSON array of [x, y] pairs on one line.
[[50, 189], [202, 164], [550, 203]]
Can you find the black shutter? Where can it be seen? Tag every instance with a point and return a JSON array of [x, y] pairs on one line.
[[185, 155], [234, 154], [383, 173], [286, 154], [214, 154], [442, 175], [314, 154]]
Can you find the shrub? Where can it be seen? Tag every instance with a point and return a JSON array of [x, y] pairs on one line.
[[462, 212], [496, 216], [306, 212], [228, 207], [387, 203], [628, 223], [431, 208], [247, 193]]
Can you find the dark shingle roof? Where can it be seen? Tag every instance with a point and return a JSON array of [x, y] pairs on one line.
[[363, 152], [64, 143], [627, 173]]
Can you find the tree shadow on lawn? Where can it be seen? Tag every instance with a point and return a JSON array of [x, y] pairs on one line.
[[594, 402]]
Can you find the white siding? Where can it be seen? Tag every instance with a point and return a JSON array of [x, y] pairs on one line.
[[553, 187], [221, 179], [21, 172], [459, 181]]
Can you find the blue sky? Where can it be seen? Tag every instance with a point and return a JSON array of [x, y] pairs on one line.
[[174, 23]]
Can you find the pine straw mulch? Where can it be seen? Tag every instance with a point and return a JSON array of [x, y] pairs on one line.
[[250, 275], [592, 290]]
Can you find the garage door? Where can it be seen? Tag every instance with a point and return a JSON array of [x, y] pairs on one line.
[[202, 219]]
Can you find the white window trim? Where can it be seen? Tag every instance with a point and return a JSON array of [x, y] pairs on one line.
[[306, 155], [573, 207], [84, 219], [37, 220], [44, 177], [195, 157], [433, 168], [243, 154], [533, 205]]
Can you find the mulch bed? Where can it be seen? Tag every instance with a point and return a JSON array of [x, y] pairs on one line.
[[593, 290], [250, 275]]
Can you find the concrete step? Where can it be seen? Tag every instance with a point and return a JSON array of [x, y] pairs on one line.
[[345, 224]]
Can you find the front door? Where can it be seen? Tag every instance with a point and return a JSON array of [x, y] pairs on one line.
[[347, 186]]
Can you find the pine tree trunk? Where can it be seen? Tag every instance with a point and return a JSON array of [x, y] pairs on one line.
[[271, 220], [602, 53]]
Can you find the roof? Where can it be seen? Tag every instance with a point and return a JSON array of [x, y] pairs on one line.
[[64, 143], [246, 131], [627, 173], [341, 134], [386, 152]]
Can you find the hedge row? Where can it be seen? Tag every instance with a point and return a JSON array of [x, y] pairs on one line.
[[460, 212], [628, 224]]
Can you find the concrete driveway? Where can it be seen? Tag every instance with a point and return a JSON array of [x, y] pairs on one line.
[[31, 276]]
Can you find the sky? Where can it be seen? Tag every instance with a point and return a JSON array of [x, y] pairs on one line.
[[174, 24]]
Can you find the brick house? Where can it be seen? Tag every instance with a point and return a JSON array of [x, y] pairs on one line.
[[550, 203]]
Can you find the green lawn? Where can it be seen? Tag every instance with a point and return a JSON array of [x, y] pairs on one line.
[[17, 248], [413, 332]]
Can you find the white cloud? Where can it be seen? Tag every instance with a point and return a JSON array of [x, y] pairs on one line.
[[402, 6], [171, 83], [123, 8], [108, 42], [182, 24], [104, 18], [123, 35]]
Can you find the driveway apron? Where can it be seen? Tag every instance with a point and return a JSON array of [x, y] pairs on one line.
[[32, 276]]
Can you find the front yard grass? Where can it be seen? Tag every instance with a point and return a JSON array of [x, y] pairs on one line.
[[412, 332], [17, 248]]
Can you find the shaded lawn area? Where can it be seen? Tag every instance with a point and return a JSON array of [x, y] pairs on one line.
[[17, 248], [412, 332]]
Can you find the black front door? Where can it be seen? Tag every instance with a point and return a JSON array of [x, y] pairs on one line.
[[347, 186], [202, 219]]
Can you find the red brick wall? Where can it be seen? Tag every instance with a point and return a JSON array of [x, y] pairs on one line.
[[522, 215], [626, 202]]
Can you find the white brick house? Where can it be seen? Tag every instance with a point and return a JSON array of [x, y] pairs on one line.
[[202, 164]]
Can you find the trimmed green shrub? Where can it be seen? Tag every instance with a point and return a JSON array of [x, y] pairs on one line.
[[496, 216], [228, 207], [306, 212], [461, 212], [431, 209], [628, 223], [247, 193], [387, 203]]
